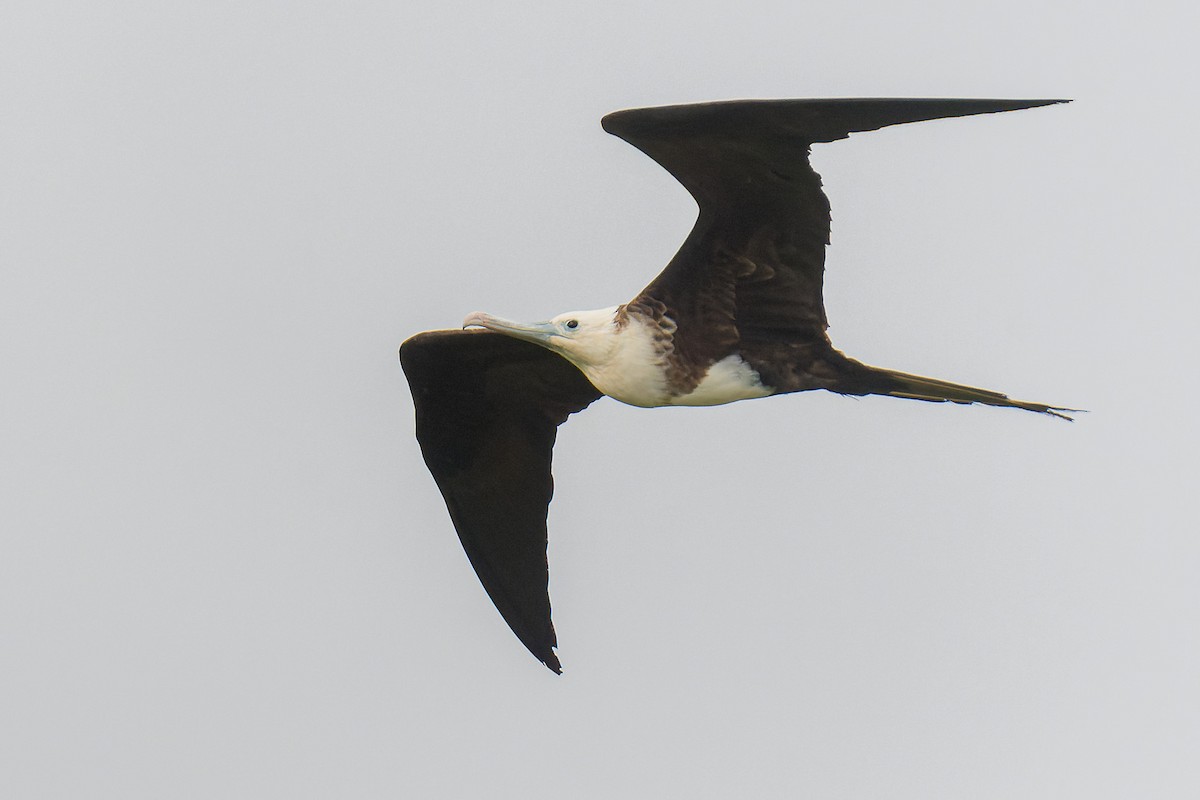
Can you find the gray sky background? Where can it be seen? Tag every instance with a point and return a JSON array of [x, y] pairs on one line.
[[225, 571]]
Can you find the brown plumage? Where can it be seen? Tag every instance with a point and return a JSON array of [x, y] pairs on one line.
[[737, 313], [488, 407]]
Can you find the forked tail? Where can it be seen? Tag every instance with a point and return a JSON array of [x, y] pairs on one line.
[[916, 387]]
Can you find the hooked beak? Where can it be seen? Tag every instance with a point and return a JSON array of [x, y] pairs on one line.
[[536, 332]]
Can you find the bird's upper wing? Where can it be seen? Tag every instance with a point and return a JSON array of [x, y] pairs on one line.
[[488, 407], [752, 266]]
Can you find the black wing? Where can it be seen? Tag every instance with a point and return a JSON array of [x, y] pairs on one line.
[[488, 407], [751, 270]]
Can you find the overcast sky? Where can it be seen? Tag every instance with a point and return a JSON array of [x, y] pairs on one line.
[[226, 573]]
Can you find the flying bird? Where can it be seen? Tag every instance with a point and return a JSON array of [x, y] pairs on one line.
[[737, 314]]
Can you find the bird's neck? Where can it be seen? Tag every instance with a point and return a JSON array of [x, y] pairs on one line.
[[634, 367], [642, 367]]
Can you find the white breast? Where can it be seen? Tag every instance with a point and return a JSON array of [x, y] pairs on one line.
[[632, 370], [629, 364]]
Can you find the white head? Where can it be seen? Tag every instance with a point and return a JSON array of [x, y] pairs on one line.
[[588, 339]]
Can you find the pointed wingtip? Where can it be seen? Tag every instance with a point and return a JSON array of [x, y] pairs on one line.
[[552, 663], [801, 120]]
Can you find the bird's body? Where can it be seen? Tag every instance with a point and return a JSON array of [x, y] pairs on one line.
[[738, 314], [725, 381], [630, 357]]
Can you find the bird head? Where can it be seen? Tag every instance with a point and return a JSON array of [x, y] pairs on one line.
[[585, 338]]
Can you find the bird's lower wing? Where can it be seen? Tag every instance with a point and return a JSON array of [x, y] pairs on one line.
[[487, 411]]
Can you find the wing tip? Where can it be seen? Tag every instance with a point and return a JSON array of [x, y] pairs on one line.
[[828, 118], [543, 651]]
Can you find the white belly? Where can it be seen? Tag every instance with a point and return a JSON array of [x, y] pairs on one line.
[[726, 381], [633, 370]]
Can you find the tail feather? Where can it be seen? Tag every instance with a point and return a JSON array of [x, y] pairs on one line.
[[916, 387]]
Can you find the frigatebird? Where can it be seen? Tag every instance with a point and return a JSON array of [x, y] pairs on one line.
[[738, 313]]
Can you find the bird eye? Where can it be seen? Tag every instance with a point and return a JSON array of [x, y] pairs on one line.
[[572, 324]]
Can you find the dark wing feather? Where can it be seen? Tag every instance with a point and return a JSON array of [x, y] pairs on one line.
[[488, 407], [752, 268]]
